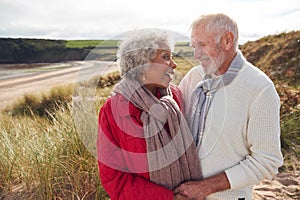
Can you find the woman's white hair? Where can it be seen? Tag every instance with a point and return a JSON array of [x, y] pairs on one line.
[[218, 24], [139, 47]]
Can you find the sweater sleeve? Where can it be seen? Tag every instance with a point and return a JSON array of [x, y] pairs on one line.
[[118, 182], [263, 137]]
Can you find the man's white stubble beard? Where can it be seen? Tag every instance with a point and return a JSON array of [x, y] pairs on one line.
[[214, 64]]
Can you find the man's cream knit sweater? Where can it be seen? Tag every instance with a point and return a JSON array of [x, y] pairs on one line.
[[242, 130]]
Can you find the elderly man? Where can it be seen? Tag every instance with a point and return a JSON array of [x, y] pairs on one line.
[[233, 112]]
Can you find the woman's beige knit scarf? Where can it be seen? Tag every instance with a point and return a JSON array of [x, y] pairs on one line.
[[171, 152]]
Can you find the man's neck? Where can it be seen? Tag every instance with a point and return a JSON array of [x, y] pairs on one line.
[[226, 64]]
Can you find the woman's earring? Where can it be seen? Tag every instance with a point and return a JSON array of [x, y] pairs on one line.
[[144, 78]]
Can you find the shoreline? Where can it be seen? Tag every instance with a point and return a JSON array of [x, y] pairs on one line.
[[12, 89]]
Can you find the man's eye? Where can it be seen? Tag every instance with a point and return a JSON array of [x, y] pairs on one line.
[[201, 45]]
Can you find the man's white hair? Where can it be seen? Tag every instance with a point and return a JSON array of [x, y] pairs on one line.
[[218, 24]]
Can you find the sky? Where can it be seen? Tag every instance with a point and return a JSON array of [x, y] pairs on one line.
[[106, 19]]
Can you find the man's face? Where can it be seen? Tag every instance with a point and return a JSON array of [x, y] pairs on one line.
[[209, 53]]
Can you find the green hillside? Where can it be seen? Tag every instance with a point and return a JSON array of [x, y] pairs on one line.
[[40, 50]]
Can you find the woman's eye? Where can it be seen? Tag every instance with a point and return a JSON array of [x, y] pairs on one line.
[[166, 57]]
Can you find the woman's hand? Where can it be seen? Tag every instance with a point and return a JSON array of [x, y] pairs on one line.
[[179, 197]]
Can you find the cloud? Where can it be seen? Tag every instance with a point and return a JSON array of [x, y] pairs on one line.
[[94, 19]]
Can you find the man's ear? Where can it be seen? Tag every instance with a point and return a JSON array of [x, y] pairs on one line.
[[228, 40]]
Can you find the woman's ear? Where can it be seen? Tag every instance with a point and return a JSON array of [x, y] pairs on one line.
[[142, 74]]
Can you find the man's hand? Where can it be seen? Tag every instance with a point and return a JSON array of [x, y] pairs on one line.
[[200, 189], [193, 190]]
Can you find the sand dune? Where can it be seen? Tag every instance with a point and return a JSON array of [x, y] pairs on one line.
[[284, 186]]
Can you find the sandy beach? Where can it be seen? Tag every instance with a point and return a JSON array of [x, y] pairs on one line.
[[12, 89]]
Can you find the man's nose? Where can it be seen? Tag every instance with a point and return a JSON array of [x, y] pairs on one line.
[[197, 53]]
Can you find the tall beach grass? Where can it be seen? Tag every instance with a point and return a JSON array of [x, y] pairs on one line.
[[41, 153]]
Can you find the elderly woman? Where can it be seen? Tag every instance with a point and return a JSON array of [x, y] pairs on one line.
[[144, 146]]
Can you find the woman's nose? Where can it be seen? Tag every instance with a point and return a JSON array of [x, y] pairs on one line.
[[173, 64]]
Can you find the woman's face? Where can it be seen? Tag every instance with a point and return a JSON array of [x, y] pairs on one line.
[[160, 71]]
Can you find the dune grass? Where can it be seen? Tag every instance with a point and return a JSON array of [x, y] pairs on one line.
[[48, 160], [42, 159], [41, 153], [44, 104]]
